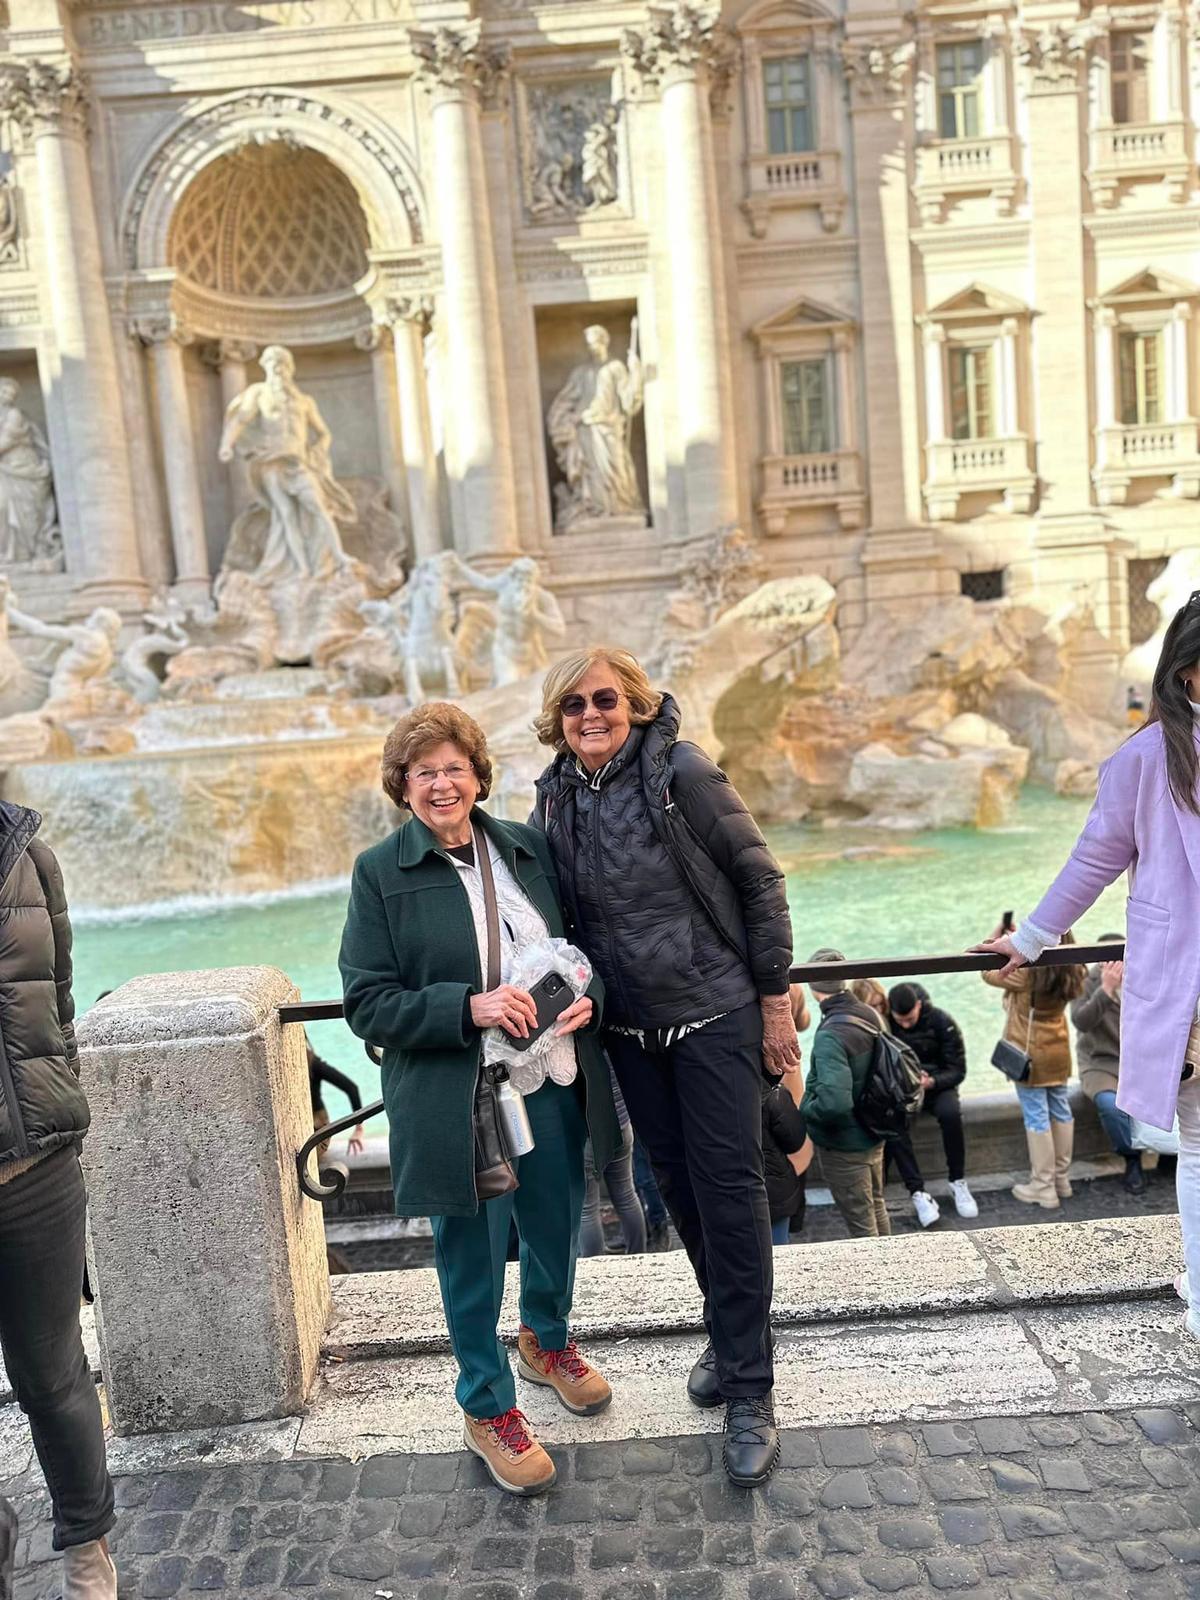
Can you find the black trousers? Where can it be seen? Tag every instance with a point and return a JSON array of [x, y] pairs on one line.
[[41, 1275], [697, 1108], [945, 1106]]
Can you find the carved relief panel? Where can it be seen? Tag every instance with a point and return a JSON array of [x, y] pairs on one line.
[[570, 136]]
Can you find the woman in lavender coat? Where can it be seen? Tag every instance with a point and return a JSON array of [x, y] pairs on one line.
[[1146, 822]]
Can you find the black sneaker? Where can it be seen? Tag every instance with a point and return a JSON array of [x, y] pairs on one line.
[[703, 1385], [1134, 1180], [751, 1449]]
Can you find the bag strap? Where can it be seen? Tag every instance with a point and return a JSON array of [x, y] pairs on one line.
[[490, 908]]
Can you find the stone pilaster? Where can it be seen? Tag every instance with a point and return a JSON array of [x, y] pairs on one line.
[[46, 104], [376, 339], [686, 54], [460, 70], [166, 338], [411, 316]]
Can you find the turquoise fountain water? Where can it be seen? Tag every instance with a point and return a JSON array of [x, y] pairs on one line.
[[867, 894]]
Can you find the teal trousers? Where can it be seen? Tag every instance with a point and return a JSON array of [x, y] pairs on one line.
[[470, 1253]]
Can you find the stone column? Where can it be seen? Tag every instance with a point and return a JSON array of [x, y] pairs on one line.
[[166, 337], [210, 1266], [934, 338], [233, 357], [1104, 331], [1177, 332], [687, 54], [411, 317], [377, 339], [46, 100], [1007, 351], [459, 69]]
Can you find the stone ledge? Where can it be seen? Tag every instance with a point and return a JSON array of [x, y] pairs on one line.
[[378, 1315], [165, 1008]]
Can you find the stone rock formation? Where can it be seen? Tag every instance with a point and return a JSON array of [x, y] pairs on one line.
[[971, 785]]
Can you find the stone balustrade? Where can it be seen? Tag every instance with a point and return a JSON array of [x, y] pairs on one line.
[[1139, 150], [1001, 466]]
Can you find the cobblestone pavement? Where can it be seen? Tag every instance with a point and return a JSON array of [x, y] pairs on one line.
[[1095, 1506]]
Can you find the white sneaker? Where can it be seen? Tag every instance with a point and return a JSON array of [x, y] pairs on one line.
[[964, 1200], [926, 1208], [1181, 1286]]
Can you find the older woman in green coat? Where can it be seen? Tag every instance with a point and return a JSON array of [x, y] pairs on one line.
[[413, 955]]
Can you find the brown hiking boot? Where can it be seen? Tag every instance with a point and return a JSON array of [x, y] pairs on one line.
[[509, 1451], [576, 1383]]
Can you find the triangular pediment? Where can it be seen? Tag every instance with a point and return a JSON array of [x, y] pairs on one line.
[[1151, 284], [770, 15], [802, 316], [978, 300]]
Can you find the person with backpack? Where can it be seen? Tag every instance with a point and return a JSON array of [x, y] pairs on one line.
[[843, 1061]]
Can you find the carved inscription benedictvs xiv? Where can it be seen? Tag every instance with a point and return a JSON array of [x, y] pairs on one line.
[[112, 29]]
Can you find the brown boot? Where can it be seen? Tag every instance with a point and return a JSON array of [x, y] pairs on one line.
[[1063, 1134], [88, 1572], [1040, 1190], [510, 1452], [576, 1383]]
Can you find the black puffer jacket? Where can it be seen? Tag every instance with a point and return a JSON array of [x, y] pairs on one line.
[[937, 1042], [666, 880], [42, 1106]]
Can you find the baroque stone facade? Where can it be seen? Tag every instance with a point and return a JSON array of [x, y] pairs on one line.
[[912, 288]]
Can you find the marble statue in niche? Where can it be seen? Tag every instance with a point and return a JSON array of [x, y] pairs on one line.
[[570, 148], [293, 521], [589, 422], [10, 245], [28, 519]]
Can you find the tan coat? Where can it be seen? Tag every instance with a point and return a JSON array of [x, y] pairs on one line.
[[1047, 1040]]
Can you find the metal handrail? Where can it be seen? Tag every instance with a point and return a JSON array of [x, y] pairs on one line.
[[338, 1174]]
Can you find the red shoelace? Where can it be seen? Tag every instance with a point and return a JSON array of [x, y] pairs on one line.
[[569, 1359], [511, 1432]]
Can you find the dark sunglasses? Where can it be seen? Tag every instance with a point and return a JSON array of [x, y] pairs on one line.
[[574, 705]]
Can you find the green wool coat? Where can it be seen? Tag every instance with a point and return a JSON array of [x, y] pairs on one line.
[[409, 962]]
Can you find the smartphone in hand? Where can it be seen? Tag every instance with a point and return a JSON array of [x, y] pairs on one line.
[[551, 995], [1007, 922]]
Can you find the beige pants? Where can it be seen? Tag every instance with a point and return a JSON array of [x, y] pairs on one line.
[[1192, 1053], [855, 1179]]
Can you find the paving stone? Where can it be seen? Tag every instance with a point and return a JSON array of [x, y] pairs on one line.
[[951, 1572], [385, 1477], [725, 1502], [1011, 1477], [153, 1533], [369, 1560], [694, 1586], [278, 1522], [1163, 1427], [670, 1548], [620, 1502], [962, 1526], [850, 1489], [303, 1568], [1104, 1429], [128, 1493], [1092, 1519], [467, 1508], [1141, 1555], [896, 1487], [1031, 1522], [695, 1456], [558, 1591], [576, 1503], [1151, 1513], [948, 1481], [786, 1544], [175, 1491], [616, 1548], [422, 1561], [730, 1547], [773, 1586], [489, 1591], [789, 1498], [846, 1447], [1075, 1564], [211, 1572], [1117, 1470], [836, 1580], [594, 1462], [337, 1481], [897, 1447], [1183, 1546], [908, 1533], [517, 1514], [948, 1439], [676, 1502], [241, 1529], [1064, 1473], [370, 1518], [554, 1558], [1003, 1436], [1165, 1467], [1054, 1433], [163, 1578], [435, 1474], [1007, 1563], [200, 1529], [646, 1457], [643, 1589], [508, 1554], [841, 1534], [262, 1567], [288, 1480], [889, 1574]]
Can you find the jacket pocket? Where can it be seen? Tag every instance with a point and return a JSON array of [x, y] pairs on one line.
[[1148, 930]]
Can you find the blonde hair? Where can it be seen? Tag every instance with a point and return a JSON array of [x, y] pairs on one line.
[[644, 702], [871, 993], [434, 722]]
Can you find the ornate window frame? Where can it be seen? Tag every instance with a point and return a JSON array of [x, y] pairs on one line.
[[806, 330], [1155, 150], [807, 178], [1149, 302], [985, 163], [1001, 463]]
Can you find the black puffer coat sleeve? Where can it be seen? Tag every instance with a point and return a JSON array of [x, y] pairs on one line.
[[51, 879], [717, 815]]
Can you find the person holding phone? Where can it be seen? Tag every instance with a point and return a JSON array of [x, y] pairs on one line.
[[671, 890], [414, 951]]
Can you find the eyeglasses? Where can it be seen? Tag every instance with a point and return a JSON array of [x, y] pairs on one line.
[[424, 776], [574, 705]]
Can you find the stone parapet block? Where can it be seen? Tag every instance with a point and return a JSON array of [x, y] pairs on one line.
[[210, 1267]]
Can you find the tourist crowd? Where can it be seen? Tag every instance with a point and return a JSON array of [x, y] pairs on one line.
[[510, 1097]]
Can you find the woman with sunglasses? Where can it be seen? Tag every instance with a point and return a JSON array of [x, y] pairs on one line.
[[669, 887], [1146, 822]]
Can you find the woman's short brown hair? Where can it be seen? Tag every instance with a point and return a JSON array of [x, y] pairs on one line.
[[644, 702], [434, 722]]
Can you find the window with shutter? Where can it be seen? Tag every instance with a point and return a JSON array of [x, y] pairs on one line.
[[808, 412], [1129, 62], [970, 391], [1141, 377], [787, 87], [959, 68]]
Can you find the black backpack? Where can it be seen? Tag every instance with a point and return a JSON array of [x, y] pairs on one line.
[[891, 1094]]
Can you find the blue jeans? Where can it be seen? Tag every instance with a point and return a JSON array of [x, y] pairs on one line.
[[653, 1203], [1040, 1106], [1116, 1123], [618, 1180], [781, 1230]]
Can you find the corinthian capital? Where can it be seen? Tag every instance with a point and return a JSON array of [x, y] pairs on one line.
[[682, 39], [1053, 56], [456, 61], [416, 308], [162, 327], [878, 69], [44, 96]]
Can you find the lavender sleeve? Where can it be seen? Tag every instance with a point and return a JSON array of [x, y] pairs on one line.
[[1104, 850]]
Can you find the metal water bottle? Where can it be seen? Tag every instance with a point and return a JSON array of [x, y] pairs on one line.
[[514, 1119]]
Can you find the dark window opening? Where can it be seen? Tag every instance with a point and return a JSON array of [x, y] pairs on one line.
[[983, 585], [1143, 613]]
